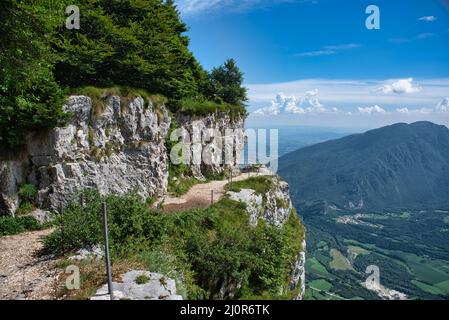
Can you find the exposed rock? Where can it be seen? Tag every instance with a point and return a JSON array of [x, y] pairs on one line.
[[116, 148], [93, 253], [298, 277], [12, 174], [253, 201], [155, 287], [41, 216], [214, 142], [275, 206]]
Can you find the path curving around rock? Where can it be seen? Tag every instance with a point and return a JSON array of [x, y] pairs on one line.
[[200, 195]]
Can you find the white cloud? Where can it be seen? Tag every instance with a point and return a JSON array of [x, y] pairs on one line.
[[316, 53], [352, 93], [282, 104], [343, 46], [443, 106], [372, 110], [311, 103], [421, 111], [328, 50], [428, 18], [403, 110], [401, 86], [193, 7]]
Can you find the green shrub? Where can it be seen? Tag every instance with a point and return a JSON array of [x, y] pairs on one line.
[[201, 249], [142, 279], [27, 192], [260, 184], [16, 225]]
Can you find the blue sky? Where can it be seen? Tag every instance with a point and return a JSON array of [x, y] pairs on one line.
[[314, 62]]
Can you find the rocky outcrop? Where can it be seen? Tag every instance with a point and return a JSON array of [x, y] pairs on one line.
[[298, 276], [275, 207], [115, 145], [140, 285], [213, 143]]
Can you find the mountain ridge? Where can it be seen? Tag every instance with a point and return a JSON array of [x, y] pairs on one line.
[[397, 166]]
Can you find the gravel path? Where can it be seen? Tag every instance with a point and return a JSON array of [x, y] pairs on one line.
[[23, 274], [199, 196]]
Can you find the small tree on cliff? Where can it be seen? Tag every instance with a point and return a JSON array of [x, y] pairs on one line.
[[227, 83]]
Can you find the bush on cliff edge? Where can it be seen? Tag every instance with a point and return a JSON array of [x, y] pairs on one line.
[[203, 248]]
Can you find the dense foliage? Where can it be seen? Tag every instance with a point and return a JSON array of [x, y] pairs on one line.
[[132, 43], [16, 225], [201, 249], [30, 98]]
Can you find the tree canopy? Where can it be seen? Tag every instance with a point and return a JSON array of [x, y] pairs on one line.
[[133, 43]]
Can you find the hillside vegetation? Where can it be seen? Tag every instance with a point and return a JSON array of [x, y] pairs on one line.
[[205, 250], [134, 43], [397, 179], [396, 167]]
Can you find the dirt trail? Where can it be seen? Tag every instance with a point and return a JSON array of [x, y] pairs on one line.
[[199, 196], [23, 274]]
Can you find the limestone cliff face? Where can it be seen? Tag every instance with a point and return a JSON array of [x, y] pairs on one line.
[[214, 143], [117, 147], [275, 207]]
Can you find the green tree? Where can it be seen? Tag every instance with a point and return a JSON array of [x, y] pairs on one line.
[[226, 83], [29, 96], [137, 43]]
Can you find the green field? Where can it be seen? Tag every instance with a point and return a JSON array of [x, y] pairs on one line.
[[411, 250], [316, 267], [339, 262]]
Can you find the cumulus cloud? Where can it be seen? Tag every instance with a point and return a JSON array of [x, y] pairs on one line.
[[401, 86], [282, 104], [372, 110], [443, 106], [428, 18], [407, 111], [403, 110]]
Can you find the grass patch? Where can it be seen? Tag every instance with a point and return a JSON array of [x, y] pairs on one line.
[[357, 250], [320, 284], [207, 107], [259, 184], [316, 267], [339, 261], [15, 225], [142, 279], [100, 97]]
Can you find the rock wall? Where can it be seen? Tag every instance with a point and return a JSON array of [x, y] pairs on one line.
[[117, 145], [213, 143], [275, 207]]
